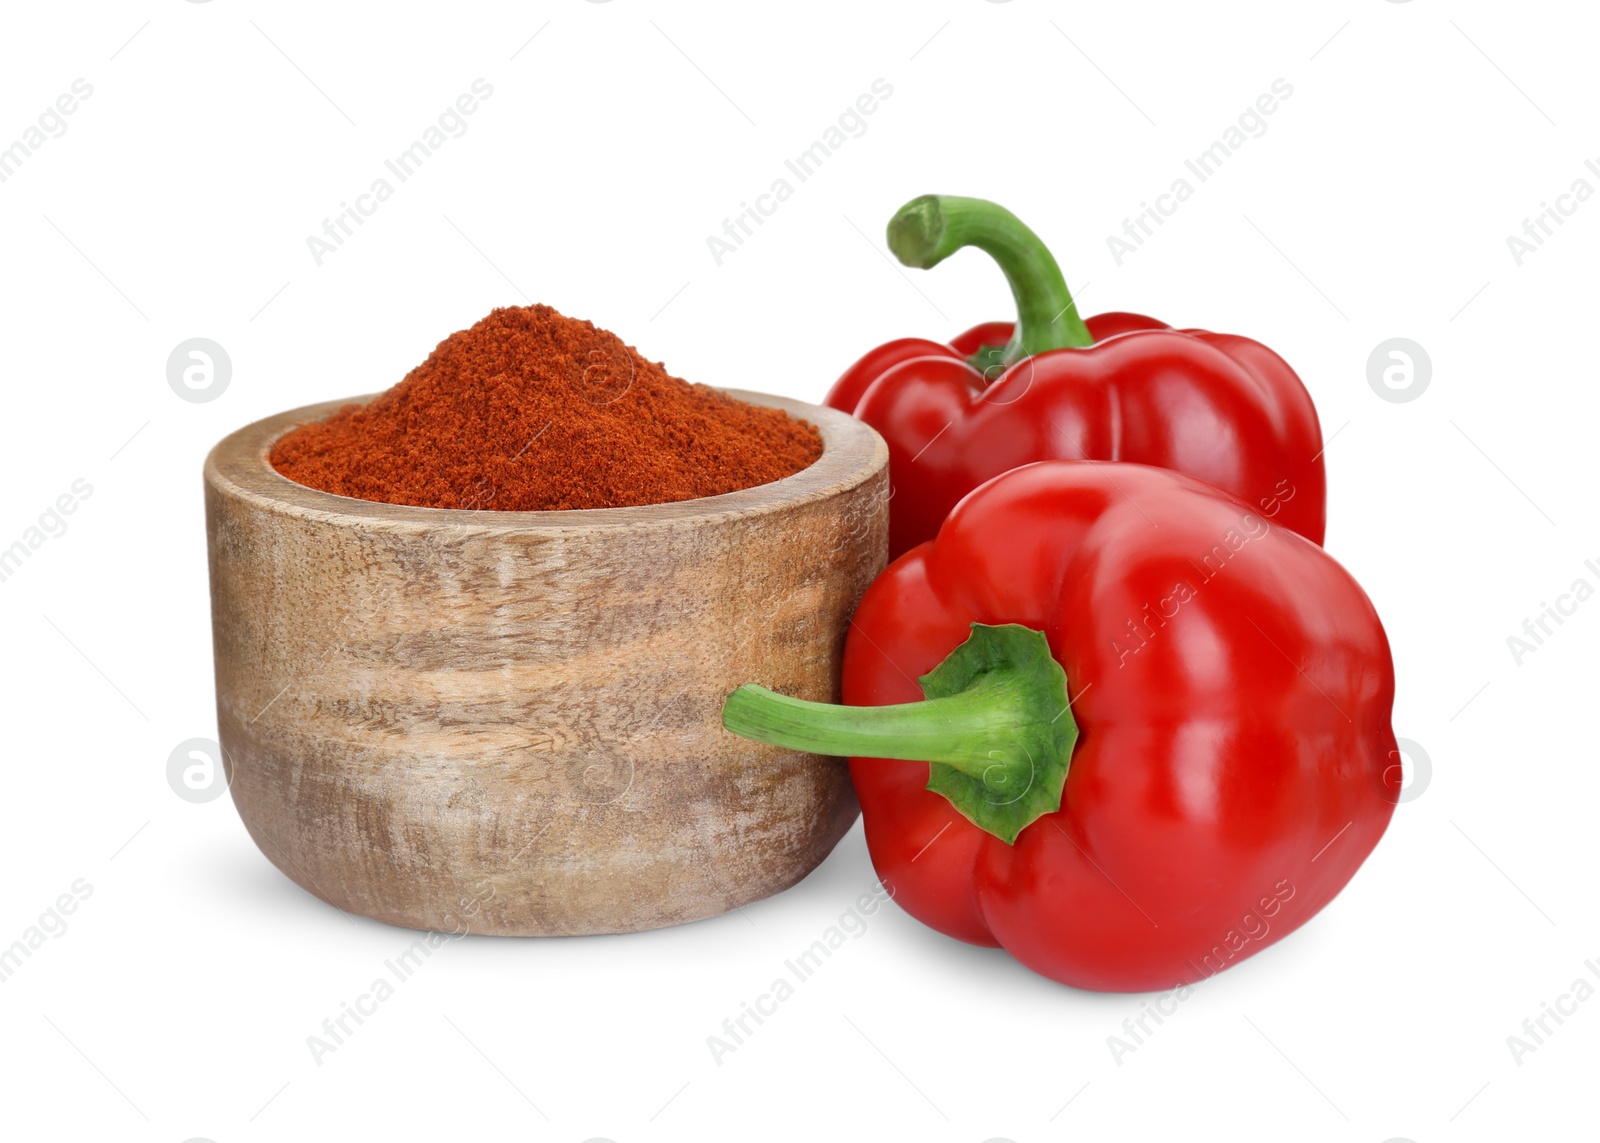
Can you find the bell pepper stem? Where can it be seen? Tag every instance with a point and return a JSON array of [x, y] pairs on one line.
[[927, 230], [995, 727], [963, 731]]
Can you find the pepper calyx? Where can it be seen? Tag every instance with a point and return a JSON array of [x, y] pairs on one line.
[[996, 727]]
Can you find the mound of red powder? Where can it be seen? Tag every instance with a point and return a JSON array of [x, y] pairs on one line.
[[529, 410]]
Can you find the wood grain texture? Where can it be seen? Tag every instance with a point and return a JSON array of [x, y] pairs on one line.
[[510, 722]]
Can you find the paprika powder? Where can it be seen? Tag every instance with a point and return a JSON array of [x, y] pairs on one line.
[[531, 411]]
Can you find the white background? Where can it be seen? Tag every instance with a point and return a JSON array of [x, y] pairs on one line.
[[177, 204]]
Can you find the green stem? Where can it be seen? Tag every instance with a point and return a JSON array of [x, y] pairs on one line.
[[995, 728], [964, 731], [927, 230]]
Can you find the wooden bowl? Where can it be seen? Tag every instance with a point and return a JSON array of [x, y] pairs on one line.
[[510, 722]]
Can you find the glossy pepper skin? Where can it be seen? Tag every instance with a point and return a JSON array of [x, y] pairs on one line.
[[1117, 387], [1232, 687]]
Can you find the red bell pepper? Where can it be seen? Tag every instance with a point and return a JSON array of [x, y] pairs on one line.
[[1151, 735], [1118, 387]]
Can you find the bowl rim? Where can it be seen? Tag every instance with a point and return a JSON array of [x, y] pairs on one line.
[[237, 466]]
